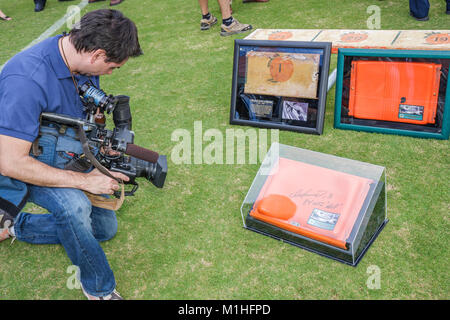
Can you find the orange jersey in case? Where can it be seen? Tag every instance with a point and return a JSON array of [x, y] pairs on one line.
[[319, 203], [394, 91]]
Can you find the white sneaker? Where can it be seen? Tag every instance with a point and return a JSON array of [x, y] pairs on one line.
[[6, 222], [234, 28], [112, 296], [206, 24]]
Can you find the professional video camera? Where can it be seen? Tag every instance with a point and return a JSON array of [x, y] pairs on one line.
[[113, 149]]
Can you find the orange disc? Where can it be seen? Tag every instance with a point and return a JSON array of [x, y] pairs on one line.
[[354, 37], [281, 35], [281, 69], [438, 38], [277, 206]]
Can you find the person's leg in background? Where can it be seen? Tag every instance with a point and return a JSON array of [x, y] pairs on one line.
[[229, 24], [225, 9], [208, 20], [419, 9], [3, 16], [39, 5]]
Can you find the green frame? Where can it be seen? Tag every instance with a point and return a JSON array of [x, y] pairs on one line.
[[431, 54]]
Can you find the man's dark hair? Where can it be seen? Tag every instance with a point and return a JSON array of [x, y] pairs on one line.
[[109, 30]]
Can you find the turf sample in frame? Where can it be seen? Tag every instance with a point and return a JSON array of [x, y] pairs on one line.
[[404, 92], [283, 74], [394, 91]]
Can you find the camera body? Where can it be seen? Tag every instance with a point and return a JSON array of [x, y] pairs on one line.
[[113, 152], [113, 149]]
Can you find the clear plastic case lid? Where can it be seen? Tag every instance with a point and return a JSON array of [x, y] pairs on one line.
[[313, 196]]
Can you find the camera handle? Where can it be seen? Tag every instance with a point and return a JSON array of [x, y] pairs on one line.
[[127, 193]]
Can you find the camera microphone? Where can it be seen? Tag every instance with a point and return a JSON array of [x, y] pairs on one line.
[[141, 153]]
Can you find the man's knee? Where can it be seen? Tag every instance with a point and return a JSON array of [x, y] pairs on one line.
[[110, 231], [79, 211], [72, 205], [104, 223]]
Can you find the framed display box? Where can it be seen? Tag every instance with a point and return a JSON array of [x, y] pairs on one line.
[[280, 84], [403, 92], [332, 206]]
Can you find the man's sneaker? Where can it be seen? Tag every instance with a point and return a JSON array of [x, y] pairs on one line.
[[6, 222], [112, 296], [234, 28], [206, 24]]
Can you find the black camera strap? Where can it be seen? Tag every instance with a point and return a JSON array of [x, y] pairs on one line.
[[91, 157]]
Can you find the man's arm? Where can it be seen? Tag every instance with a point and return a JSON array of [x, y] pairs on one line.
[[15, 162]]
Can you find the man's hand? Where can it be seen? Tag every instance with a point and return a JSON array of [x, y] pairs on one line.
[[98, 183]]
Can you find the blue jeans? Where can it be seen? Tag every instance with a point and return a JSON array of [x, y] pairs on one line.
[[419, 8], [74, 223]]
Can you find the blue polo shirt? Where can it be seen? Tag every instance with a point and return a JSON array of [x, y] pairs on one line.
[[34, 81]]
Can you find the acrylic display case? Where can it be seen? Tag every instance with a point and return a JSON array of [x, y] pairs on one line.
[[332, 206]]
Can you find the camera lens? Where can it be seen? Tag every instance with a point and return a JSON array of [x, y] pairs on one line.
[[153, 172]]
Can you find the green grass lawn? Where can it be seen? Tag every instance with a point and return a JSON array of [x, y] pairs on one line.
[[187, 241]]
